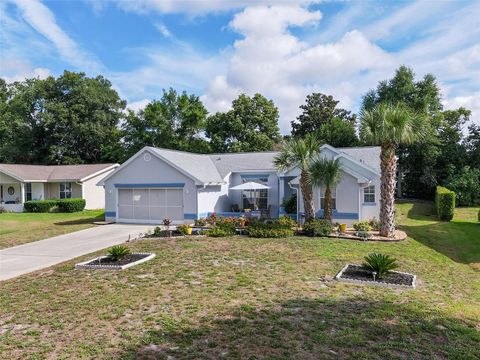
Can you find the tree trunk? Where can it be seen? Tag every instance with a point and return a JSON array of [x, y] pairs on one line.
[[388, 164], [307, 196], [328, 204]]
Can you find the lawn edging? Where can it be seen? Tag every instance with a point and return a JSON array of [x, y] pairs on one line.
[[87, 264], [339, 277]]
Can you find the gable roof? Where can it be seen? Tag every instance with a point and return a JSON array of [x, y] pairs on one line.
[[237, 162], [53, 172], [367, 155]]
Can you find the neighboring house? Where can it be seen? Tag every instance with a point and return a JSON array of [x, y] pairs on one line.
[[157, 183], [20, 183]]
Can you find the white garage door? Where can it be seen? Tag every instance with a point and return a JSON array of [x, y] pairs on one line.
[[150, 205]]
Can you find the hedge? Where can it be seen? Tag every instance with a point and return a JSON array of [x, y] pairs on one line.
[[63, 205], [317, 227], [444, 203]]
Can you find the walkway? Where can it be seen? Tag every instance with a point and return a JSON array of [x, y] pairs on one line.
[[22, 259]]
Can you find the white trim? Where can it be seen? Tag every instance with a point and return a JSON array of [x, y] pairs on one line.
[[88, 177], [12, 175]]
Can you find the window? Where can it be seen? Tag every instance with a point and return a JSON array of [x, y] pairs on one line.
[[28, 191], [322, 198], [65, 190], [369, 194], [255, 199]]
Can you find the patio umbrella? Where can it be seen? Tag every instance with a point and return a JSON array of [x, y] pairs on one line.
[[250, 185]]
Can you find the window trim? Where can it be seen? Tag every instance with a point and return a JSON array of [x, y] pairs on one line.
[[369, 193], [334, 198], [64, 191]]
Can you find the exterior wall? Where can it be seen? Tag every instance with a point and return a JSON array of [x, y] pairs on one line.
[[16, 195], [371, 210], [155, 171], [95, 195], [213, 199]]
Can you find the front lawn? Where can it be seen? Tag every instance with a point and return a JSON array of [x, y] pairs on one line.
[[246, 298], [21, 228]]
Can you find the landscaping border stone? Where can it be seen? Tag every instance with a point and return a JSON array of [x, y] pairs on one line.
[[87, 264], [339, 277]]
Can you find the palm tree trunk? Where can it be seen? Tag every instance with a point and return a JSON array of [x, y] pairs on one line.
[[328, 204], [307, 196], [388, 164]]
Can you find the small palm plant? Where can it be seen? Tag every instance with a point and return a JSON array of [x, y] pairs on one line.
[[326, 172], [118, 252], [381, 264]]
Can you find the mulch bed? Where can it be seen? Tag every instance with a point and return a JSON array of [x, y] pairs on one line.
[[357, 274], [127, 259], [350, 234]]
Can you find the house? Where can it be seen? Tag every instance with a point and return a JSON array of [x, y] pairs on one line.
[[20, 183], [158, 183]]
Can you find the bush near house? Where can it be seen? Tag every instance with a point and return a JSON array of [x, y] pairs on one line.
[[71, 205], [444, 203], [62, 205], [362, 225], [318, 227]]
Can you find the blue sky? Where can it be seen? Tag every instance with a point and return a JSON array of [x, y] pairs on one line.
[[218, 49]]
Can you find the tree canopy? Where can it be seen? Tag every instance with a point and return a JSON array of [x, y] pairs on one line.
[[251, 125], [333, 125]]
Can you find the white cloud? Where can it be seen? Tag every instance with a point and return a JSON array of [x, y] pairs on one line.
[[138, 105], [162, 28], [19, 70], [272, 61], [39, 16], [196, 7]]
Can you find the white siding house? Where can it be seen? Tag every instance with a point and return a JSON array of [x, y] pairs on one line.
[[155, 184]]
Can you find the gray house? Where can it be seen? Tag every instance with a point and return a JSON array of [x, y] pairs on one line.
[[20, 183], [158, 183]]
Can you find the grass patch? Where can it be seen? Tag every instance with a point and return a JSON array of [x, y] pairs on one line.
[[21, 228], [245, 298]]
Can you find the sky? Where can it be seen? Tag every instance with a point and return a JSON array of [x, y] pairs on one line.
[[217, 49]]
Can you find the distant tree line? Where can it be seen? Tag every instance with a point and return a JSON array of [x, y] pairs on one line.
[[74, 119]]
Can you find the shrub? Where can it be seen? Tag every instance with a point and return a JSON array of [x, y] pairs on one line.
[[318, 227], [270, 232], [40, 206], [363, 234], [211, 219], [183, 229], [2, 210], [362, 225], [379, 263], [200, 222], [444, 203], [228, 226], [374, 224], [286, 221], [290, 204], [158, 232], [118, 252], [71, 205], [217, 231]]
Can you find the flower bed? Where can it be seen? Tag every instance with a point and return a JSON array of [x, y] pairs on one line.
[[105, 262], [350, 234], [357, 274]]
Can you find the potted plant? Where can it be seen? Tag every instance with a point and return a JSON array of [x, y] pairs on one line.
[[184, 229], [241, 221], [343, 228]]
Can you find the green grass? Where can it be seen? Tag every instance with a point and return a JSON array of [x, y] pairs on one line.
[[21, 228], [244, 298]]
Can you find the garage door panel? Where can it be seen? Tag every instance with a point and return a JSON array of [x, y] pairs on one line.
[[175, 213], [140, 197], [158, 213], [174, 197], [158, 197], [125, 212], [141, 213], [125, 197]]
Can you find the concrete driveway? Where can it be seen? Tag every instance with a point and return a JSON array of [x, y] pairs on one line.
[[22, 259]]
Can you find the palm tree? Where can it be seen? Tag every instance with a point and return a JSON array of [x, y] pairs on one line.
[[389, 126], [326, 172], [300, 152]]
